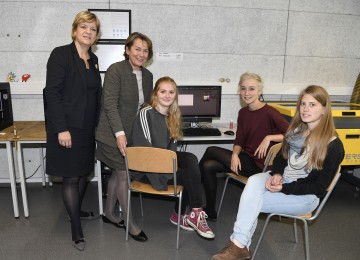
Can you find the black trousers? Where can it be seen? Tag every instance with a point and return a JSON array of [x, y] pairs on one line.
[[189, 176], [217, 159]]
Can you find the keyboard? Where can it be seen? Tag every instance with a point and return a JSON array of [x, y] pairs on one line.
[[201, 131]]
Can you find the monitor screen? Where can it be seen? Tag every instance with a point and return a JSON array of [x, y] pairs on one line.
[[199, 103], [6, 115], [108, 53]]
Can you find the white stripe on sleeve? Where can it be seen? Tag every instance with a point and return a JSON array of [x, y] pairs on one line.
[[144, 123]]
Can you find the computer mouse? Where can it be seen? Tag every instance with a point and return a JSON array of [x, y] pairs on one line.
[[229, 132]]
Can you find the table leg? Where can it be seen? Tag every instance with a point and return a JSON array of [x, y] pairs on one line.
[[98, 174], [12, 178], [43, 165], [42, 168], [22, 180]]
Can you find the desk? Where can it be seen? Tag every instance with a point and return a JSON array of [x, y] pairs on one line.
[[7, 137], [223, 137], [208, 139], [198, 144], [34, 133]]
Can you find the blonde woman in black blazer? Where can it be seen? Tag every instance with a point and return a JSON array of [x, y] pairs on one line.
[[72, 105], [127, 85]]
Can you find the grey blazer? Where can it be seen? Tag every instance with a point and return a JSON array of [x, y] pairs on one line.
[[120, 100]]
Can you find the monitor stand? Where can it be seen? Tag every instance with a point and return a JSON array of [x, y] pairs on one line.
[[193, 122], [185, 125]]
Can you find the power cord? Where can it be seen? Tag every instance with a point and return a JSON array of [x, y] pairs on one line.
[[35, 170]]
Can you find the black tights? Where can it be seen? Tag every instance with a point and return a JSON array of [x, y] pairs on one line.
[[217, 159], [73, 190], [189, 176]]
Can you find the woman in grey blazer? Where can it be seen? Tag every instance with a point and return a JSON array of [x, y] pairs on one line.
[[127, 86]]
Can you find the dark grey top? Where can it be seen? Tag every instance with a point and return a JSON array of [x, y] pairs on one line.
[[150, 130]]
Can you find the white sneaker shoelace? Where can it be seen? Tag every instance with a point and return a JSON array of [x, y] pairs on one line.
[[201, 221]]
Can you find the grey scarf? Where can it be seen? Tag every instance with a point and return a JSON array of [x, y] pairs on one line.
[[296, 162]]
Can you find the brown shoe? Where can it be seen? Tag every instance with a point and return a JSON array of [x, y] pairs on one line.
[[232, 252]]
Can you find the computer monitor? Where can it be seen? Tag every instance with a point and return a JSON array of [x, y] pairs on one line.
[[199, 103], [6, 115]]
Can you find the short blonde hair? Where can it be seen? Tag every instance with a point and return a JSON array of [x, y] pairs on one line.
[[85, 16], [249, 75]]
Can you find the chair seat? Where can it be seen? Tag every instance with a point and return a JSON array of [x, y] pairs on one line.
[[240, 178], [305, 216], [147, 188]]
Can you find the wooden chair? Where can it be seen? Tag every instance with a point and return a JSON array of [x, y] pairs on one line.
[[304, 218], [241, 178], [152, 160]]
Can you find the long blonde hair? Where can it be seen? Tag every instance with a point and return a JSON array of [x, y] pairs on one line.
[[318, 138], [173, 117]]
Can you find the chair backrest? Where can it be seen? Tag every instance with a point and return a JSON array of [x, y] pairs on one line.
[[150, 159], [271, 155], [327, 195]]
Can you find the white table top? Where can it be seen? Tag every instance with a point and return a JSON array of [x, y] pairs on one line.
[[223, 136]]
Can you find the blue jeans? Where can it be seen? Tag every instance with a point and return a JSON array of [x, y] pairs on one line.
[[256, 198]]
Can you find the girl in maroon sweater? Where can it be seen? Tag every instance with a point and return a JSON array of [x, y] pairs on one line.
[[259, 126]]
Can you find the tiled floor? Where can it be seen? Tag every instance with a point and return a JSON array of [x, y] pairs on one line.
[[46, 233]]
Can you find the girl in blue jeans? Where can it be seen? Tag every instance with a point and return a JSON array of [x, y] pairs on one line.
[[308, 161]]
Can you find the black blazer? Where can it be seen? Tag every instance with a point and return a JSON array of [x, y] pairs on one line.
[[65, 91]]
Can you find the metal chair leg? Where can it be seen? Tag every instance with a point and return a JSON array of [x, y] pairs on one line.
[[223, 194], [141, 205], [295, 231], [128, 215], [261, 236], [307, 245], [178, 224]]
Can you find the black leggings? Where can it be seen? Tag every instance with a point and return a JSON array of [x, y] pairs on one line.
[[73, 190], [189, 176], [217, 159]]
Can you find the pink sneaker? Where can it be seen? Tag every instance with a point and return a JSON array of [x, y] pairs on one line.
[[197, 219], [183, 223]]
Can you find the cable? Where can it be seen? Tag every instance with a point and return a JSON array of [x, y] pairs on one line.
[[262, 98], [35, 170], [33, 173]]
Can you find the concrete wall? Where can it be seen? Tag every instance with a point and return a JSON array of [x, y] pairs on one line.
[[291, 43]]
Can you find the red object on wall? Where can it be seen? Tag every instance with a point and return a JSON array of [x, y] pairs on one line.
[[25, 77]]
